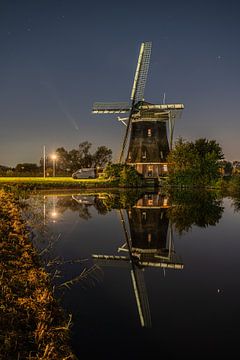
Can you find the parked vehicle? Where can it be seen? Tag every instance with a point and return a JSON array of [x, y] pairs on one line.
[[84, 173], [84, 199]]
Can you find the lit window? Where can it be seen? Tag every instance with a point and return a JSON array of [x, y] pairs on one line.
[[144, 154], [149, 132], [165, 202], [161, 154], [165, 168], [149, 237]]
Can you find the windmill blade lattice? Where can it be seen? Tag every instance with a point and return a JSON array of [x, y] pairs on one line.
[[140, 78], [138, 87]]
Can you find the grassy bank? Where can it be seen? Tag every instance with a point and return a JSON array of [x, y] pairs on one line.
[[33, 183], [32, 325]]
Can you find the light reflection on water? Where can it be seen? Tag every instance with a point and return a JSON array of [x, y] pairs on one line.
[[160, 271]]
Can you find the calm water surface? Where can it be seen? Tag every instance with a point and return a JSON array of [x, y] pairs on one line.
[[159, 273]]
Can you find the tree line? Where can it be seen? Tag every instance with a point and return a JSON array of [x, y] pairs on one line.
[[66, 162]]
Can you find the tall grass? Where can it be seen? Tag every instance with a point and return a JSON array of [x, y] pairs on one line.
[[32, 324]]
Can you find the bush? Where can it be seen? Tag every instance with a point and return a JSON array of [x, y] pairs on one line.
[[125, 175]]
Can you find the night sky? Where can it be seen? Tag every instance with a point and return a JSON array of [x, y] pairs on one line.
[[59, 56]]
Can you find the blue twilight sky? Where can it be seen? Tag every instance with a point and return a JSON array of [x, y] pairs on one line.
[[59, 56]]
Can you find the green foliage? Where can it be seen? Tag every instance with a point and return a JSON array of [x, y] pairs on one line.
[[112, 171], [226, 167], [234, 185], [195, 163], [26, 169], [3, 170], [102, 156], [125, 175]]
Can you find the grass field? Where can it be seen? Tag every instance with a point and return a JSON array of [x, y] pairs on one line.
[[34, 183], [48, 179]]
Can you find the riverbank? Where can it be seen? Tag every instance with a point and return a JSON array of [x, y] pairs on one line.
[[126, 178], [32, 324], [36, 183]]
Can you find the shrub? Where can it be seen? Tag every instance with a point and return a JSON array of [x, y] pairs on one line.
[[125, 175]]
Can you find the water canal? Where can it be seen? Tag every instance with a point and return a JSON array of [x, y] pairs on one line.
[[143, 274]]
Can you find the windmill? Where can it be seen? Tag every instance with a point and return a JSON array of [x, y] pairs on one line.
[[146, 124]]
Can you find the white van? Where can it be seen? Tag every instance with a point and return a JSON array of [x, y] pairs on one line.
[[84, 173]]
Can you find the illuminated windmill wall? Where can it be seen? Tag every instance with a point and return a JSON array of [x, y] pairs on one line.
[[146, 124]]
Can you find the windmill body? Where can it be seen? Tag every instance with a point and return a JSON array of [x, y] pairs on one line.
[[149, 127]]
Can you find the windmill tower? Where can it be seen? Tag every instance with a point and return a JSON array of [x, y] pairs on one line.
[[146, 124]]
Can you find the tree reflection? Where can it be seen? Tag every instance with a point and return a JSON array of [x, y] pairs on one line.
[[188, 208], [236, 203], [200, 208], [102, 202], [67, 203]]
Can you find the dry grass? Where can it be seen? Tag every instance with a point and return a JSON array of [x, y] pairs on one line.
[[32, 324]]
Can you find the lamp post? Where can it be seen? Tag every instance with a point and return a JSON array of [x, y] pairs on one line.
[[44, 161], [54, 157]]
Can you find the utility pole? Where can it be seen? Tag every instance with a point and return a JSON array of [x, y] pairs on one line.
[[44, 161]]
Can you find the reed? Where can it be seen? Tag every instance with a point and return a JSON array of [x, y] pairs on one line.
[[32, 323]]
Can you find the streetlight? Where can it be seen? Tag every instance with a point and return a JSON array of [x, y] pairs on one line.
[[44, 161], [54, 157], [54, 213]]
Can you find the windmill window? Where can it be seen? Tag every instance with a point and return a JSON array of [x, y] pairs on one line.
[[165, 202], [161, 154], [149, 132], [144, 154], [165, 168], [150, 171], [149, 237], [129, 156], [144, 215]]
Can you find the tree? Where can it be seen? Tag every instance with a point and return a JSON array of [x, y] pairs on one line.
[[62, 159], [72, 160], [85, 157], [102, 156], [195, 163], [124, 175], [27, 168], [3, 170], [226, 167]]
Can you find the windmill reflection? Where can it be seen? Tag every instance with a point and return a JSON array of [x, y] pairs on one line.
[[148, 243]]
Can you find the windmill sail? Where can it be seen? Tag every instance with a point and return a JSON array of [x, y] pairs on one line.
[[110, 108], [139, 83], [141, 72]]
